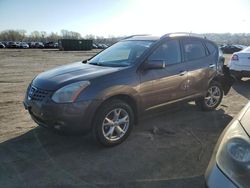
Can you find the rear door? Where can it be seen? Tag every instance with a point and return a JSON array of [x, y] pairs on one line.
[[159, 86], [201, 65]]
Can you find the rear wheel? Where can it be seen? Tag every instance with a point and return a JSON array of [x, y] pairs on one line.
[[213, 97], [114, 122]]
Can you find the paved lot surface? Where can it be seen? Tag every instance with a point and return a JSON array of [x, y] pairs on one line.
[[170, 147]]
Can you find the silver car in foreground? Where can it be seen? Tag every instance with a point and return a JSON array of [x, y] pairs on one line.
[[230, 163]]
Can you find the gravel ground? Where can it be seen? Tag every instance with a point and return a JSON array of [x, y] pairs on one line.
[[170, 147]]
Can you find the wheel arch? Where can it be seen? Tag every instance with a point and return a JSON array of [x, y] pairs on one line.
[[131, 101], [225, 79]]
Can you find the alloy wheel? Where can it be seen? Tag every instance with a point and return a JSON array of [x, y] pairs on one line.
[[213, 96], [115, 124]]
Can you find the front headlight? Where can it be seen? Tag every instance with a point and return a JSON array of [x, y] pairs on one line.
[[233, 156], [70, 92]]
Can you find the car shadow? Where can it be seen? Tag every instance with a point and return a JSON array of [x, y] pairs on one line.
[[172, 143], [243, 88]]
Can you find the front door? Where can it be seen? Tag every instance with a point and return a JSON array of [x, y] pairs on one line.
[[159, 86]]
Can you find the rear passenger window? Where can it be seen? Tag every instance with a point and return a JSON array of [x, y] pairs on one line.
[[169, 52], [193, 49], [211, 47]]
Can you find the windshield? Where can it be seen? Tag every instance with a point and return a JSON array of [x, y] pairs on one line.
[[121, 54]]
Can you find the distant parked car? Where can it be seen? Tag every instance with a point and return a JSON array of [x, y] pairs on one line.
[[39, 45], [12, 45], [105, 45], [241, 46], [102, 46], [229, 49], [229, 165], [94, 46], [32, 44], [239, 65], [49, 45], [56, 45], [2, 45], [23, 45]]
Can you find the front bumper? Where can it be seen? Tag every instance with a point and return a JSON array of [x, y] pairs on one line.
[[69, 117]]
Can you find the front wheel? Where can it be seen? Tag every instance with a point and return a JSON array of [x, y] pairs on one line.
[[114, 122], [213, 97]]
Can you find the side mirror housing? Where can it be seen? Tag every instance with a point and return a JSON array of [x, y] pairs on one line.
[[85, 60], [154, 64]]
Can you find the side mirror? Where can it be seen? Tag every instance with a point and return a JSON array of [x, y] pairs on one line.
[[85, 61], [154, 64]]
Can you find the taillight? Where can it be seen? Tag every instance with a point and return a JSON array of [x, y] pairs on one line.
[[235, 58]]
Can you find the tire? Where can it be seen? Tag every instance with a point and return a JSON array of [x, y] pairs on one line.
[[212, 99], [107, 129]]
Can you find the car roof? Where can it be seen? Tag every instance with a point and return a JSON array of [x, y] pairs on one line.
[[247, 49], [170, 35], [146, 37]]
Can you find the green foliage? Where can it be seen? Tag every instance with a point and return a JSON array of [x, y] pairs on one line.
[[70, 34]]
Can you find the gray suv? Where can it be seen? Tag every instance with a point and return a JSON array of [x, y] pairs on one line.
[[108, 92]]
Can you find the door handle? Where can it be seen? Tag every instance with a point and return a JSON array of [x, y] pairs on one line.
[[211, 65], [182, 73]]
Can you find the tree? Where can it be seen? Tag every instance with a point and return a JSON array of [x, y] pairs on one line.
[[12, 35], [53, 37], [90, 36], [35, 36], [43, 36], [70, 34]]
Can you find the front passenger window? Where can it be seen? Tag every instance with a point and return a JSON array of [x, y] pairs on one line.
[[169, 52]]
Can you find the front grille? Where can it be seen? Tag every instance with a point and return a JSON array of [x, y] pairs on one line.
[[36, 94]]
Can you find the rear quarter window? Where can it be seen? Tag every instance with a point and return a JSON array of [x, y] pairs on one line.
[[211, 47]]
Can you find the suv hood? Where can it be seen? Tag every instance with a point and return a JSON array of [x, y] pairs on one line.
[[55, 78]]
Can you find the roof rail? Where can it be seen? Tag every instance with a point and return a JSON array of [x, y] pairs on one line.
[[134, 36], [182, 34]]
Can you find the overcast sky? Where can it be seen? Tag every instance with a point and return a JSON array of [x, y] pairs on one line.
[[126, 17]]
